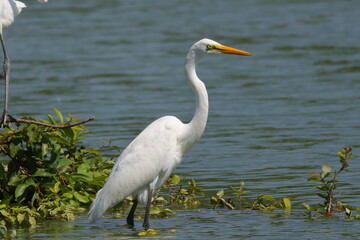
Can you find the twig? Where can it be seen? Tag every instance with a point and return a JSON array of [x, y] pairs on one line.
[[62, 126], [227, 204], [347, 153]]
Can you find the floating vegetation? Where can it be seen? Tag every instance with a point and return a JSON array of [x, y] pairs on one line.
[[261, 203]]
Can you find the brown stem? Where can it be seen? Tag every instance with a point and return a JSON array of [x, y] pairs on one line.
[[226, 203], [53, 126], [330, 194]]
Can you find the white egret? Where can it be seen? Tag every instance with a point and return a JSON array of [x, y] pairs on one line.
[[9, 9], [150, 158]]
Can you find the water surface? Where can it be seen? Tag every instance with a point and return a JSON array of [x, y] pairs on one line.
[[273, 117]]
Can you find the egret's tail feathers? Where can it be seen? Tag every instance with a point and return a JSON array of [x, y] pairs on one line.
[[104, 199], [97, 208]]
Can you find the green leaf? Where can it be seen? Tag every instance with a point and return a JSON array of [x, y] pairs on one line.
[[155, 210], [91, 150], [268, 197], [87, 177], [63, 163], [326, 169], [14, 149], [44, 149], [51, 119], [213, 200], [307, 206], [32, 221], [59, 115], [314, 179], [20, 189], [5, 213], [32, 135], [56, 188], [42, 172], [20, 217], [83, 168], [16, 178], [68, 195], [220, 193], [81, 198], [167, 210], [175, 179], [322, 195], [70, 133], [287, 203]]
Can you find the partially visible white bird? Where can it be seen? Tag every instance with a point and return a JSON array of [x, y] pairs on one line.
[[9, 9], [148, 161]]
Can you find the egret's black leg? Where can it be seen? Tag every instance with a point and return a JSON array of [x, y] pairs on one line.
[[5, 116], [146, 224], [130, 217]]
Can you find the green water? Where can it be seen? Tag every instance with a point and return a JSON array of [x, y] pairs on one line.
[[273, 117]]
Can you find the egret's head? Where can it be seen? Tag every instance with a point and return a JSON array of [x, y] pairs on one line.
[[207, 46]]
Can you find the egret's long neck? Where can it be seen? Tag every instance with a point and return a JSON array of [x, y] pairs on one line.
[[195, 128]]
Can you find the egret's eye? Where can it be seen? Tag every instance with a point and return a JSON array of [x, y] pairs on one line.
[[210, 47]]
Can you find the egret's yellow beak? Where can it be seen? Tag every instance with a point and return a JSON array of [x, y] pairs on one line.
[[230, 50]]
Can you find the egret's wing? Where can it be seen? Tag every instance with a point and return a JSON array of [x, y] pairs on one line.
[[147, 156], [9, 10]]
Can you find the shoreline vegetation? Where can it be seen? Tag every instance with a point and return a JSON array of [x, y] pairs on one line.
[[48, 172]]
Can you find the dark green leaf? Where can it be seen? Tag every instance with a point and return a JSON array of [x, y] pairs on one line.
[[14, 149], [2, 171], [322, 195], [44, 149], [16, 178], [20, 189], [42, 172]]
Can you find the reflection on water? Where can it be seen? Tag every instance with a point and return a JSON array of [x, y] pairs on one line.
[[273, 118]]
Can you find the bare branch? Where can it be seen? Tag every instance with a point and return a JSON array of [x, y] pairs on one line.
[[60, 126]]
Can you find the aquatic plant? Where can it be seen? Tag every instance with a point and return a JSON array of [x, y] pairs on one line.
[[328, 183], [47, 172], [178, 194], [262, 202]]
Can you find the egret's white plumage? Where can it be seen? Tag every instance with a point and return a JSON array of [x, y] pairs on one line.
[[150, 158], [9, 9]]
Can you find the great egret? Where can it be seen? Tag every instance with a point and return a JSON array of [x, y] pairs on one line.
[[9, 9], [150, 158]]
